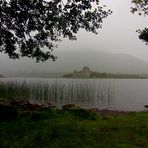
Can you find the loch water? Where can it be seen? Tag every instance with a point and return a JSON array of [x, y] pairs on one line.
[[113, 94]]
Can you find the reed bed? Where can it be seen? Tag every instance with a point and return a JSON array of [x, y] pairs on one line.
[[57, 92]]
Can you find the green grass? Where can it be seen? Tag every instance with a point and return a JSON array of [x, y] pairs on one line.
[[75, 129]]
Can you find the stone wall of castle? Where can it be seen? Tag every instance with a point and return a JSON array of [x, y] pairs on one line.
[[85, 73]]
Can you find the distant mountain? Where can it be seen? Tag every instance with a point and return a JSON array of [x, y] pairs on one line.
[[69, 61], [101, 62]]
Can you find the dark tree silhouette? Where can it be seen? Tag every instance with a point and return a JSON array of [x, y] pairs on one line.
[[141, 6], [28, 26]]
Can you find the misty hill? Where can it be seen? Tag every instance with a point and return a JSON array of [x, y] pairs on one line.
[[101, 62], [72, 60]]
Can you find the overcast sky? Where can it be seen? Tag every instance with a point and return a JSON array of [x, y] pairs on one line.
[[118, 35]]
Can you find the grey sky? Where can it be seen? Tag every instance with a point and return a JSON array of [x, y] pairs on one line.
[[118, 34]]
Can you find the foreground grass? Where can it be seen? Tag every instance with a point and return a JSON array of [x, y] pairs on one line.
[[75, 129]]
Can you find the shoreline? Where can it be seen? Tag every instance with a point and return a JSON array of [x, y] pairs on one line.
[[25, 106], [69, 78]]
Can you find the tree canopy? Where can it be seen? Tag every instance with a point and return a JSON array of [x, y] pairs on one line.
[[31, 28], [141, 6]]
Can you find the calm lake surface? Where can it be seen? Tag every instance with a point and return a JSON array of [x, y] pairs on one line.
[[114, 94]]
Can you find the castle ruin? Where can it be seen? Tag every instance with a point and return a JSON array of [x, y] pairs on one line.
[[84, 73]]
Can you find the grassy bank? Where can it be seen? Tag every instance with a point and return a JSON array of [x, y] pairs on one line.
[[75, 129]]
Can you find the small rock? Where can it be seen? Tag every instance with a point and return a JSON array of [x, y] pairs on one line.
[[68, 106], [146, 106], [19, 102]]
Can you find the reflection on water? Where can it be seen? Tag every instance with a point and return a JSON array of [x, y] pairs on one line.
[[59, 92]]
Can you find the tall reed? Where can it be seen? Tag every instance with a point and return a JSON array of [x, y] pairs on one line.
[[57, 92]]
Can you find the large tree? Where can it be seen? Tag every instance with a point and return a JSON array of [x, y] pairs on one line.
[[141, 6], [30, 28]]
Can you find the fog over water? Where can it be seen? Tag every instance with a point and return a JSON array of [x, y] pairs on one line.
[[117, 38]]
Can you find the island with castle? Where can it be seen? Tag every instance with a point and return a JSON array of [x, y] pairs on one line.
[[87, 73], [84, 73]]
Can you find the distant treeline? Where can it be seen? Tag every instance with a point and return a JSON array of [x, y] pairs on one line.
[[111, 75], [70, 75], [108, 75], [1, 76]]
